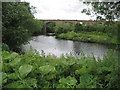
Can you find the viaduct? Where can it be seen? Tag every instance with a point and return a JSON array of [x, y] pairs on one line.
[[70, 21]]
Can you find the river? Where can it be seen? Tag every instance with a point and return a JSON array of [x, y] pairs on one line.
[[52, 46]]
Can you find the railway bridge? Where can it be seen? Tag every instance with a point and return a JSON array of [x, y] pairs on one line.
[[90, 22]]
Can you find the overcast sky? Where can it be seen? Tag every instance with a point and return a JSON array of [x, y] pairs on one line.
[[59, 9]]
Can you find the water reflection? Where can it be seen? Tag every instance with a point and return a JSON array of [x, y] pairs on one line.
[[89, 49], [50, 45]]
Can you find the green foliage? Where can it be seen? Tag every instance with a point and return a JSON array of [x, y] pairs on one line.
[[90, 33], [5, 47], [104, 10], [78, 27], [24, 70], [88, 37], [63, 27], [18, 24], [46, 69], [87, 81], [68, 82], [31, 70], [34, 26], [14, 16], [50, 27]]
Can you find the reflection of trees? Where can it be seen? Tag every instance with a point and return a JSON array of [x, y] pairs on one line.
[[77, 48], [89, 49]]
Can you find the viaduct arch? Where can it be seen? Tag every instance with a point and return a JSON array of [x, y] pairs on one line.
[[71, 21]]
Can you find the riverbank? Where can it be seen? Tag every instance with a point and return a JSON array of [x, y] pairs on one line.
[[97, 37], [31, 70]]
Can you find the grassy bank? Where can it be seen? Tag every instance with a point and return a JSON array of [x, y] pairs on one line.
[[31, 70], [98, 37]]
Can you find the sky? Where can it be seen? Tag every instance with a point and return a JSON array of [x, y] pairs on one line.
[[59, 9]]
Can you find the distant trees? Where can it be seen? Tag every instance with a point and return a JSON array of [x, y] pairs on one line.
[[110, 30], [18, 23], [78, 27], [64, 27]]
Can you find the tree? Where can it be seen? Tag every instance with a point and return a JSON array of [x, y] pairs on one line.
[[104, 10], [14, 17], [37, 27]]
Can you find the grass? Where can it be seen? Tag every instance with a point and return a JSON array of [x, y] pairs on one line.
[[88, 37]]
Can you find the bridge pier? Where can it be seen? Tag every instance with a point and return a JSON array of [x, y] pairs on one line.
[[45, 28]]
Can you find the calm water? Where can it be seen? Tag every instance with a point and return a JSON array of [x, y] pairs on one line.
[[51, 45]]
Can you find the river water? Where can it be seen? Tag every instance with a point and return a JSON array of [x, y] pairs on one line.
[[51, 45]]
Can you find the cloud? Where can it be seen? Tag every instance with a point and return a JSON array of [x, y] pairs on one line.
[[59, 9]]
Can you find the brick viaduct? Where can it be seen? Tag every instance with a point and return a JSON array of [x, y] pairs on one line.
[[71, 21]]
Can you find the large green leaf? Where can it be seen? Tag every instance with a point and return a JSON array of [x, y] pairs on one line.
[[15, 85], [87, 81], [13, 76], [24, 70], [46, 69], [68, 81], [15, 61], [31, 82], [9, 56], [4, 78]]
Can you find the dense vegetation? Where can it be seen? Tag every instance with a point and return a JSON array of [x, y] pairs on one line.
[[88, 37], [31, 70], [18, 24], [103, 33]]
